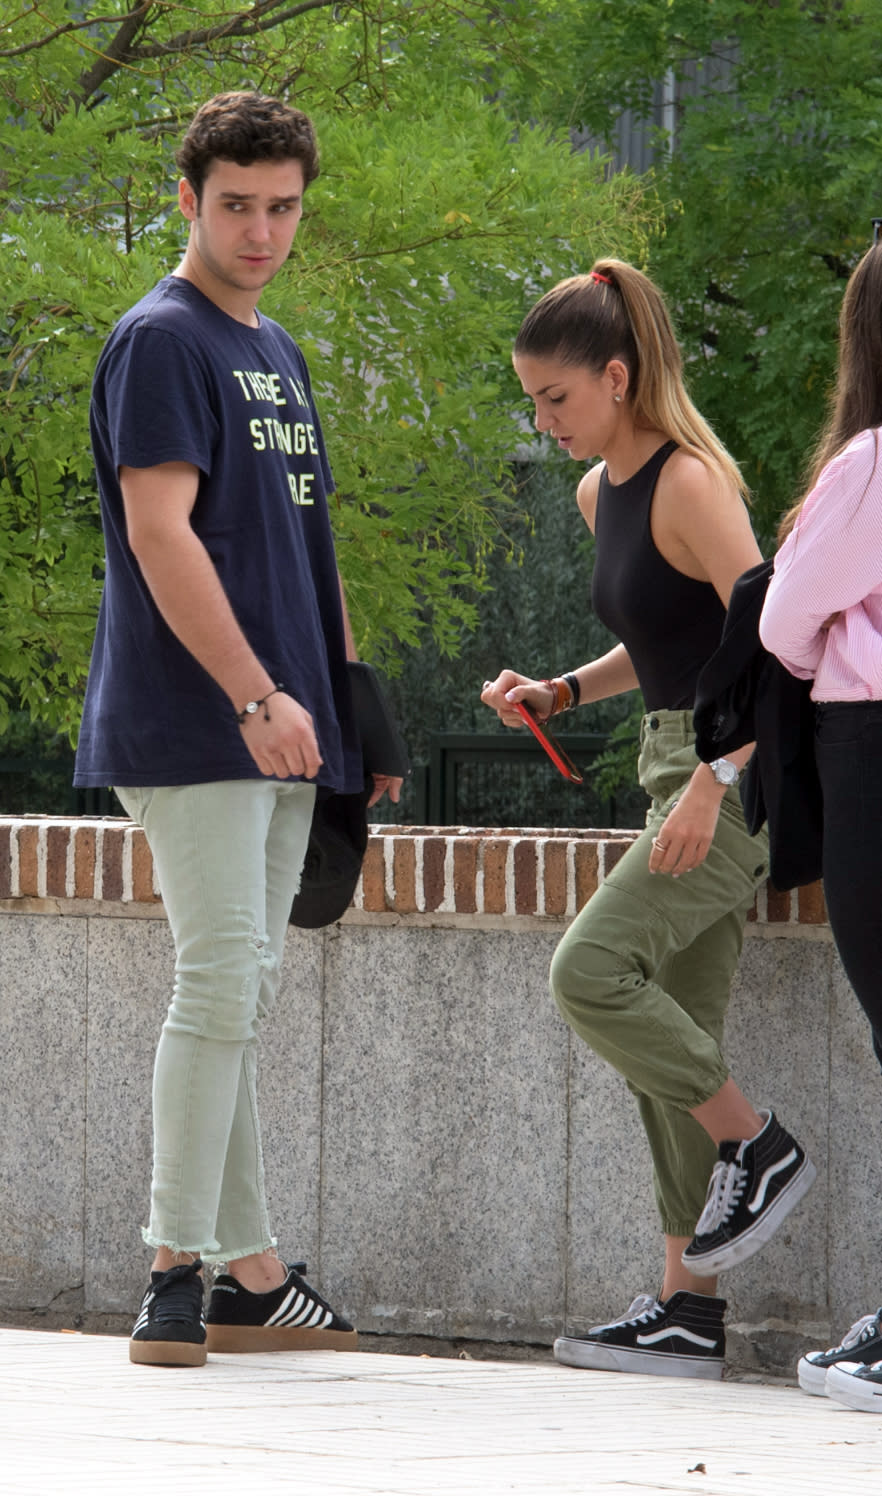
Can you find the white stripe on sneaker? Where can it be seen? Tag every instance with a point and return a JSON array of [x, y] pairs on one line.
[[299, 1309], [759, 1199], [672, 1333], [144, 1312], [280, 1314]]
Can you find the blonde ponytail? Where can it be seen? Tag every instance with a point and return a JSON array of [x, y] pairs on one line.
[[660, 398]]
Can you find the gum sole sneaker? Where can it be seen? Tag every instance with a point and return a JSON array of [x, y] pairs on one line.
[[856, 1385], [291, 1318], [752, 1190], [862, 1345], [682, 1337], [170, 1328]]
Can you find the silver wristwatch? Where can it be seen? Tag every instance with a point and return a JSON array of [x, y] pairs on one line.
[[724, 771]]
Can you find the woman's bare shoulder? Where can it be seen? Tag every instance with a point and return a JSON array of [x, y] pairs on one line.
[[701, 524], [696, 478]]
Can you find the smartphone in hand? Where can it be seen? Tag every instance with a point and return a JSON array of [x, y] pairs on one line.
[[560, 759]]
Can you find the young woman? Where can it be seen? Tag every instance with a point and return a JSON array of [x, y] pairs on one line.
[[823, 619], [643, 974]]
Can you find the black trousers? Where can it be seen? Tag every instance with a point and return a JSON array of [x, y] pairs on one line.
[[848, 749]]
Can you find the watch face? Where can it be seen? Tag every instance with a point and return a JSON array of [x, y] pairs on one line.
[[724, 772]]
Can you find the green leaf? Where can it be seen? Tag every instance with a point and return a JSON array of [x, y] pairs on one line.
[[442, 210]]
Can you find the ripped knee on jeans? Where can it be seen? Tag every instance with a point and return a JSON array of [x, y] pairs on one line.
[[259, 944]]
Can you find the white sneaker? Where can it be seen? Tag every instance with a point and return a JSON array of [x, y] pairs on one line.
[[862, 1344], [856, 1385]]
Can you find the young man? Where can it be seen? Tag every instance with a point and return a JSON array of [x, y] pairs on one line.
[[218, 701]]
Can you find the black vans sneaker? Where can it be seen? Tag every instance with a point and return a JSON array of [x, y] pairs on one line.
[[682, 1337], [170, 1328], [856, 1385], [862, 1345], [291, 1318], [752, 1190]]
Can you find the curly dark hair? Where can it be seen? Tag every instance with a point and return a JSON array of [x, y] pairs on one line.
[[246, 127]]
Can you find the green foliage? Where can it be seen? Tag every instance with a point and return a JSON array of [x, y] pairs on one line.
[[769, 190], [35, 770], [440, 213], [617, 766]]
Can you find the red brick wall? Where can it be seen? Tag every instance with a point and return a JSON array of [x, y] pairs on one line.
[[414, 870]]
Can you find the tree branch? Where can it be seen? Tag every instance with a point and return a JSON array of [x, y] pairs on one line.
[[263, 15], [247, 23], [839, 267], [111, 58], [51, 36], [714, 292]]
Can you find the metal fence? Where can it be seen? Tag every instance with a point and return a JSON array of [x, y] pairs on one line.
[[470, 779], [44, 786], [495, 779]]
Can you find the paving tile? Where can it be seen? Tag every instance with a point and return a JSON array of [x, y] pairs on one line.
[[75, 1417]]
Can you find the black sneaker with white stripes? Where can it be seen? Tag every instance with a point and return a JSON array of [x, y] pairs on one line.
[[752, 1190], [862, 1346], [291, 1318], [682, 1337], [170, 1328]]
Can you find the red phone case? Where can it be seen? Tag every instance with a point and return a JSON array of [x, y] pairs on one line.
[[560, 760]]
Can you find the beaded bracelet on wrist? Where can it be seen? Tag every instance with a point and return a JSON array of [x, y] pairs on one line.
[[251, 707]]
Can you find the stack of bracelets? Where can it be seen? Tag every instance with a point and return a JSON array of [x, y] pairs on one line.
[[565, 694]]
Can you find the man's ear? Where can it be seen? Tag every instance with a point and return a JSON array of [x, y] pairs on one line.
[[188, 202]]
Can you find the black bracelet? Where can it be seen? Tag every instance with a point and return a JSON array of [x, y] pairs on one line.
[[251, 707], [573, 683]]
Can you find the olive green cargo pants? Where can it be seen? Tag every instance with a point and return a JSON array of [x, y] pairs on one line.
[[644, 973]]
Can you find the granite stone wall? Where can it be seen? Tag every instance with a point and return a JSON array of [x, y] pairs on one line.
[[447, 1159]]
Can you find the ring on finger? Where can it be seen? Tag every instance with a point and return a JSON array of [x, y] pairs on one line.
[[659, 846]]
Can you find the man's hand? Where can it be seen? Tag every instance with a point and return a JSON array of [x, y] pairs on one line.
[[385, 784], [286, 744]]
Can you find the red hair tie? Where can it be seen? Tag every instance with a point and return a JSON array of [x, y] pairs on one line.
[[596, 276]]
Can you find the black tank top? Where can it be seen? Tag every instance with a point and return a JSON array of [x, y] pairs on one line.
[[669, 623]]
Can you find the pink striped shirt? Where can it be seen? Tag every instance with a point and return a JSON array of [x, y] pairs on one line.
[[831, 562]]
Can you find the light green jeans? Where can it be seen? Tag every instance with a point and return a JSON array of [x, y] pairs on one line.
[[228, 858], [644, 973]]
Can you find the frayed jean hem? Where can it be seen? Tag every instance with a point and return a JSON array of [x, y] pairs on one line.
[[211, 1253], [178, 1247], [270, 1245]]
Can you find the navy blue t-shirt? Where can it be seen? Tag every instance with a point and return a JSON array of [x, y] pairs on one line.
[[180, 381]]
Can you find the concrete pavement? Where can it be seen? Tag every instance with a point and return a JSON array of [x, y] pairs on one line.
[[76, 1417]]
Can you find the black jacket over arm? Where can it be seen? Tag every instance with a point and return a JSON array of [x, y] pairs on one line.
[[744, 694]]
